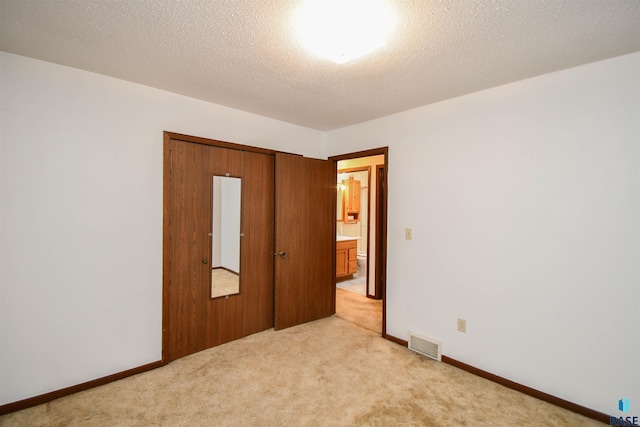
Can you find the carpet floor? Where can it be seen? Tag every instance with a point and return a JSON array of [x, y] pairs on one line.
[[359, 309], [224, 282], [325, 373]]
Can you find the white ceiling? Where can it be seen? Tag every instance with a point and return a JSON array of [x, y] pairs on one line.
[[241, 53]]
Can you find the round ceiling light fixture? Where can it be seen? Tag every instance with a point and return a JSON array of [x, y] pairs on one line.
[[343, 30]]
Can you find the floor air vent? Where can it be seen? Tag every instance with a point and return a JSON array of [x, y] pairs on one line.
[[425, 346]]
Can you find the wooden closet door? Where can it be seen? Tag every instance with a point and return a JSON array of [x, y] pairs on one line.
[[257, 243], [305, 288], [192, 320], [305, 240], [189, 249], [225, 316]]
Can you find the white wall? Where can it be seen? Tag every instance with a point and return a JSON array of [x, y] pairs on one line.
[[230, 223], [524, 203], [216, 226], [81, 217]]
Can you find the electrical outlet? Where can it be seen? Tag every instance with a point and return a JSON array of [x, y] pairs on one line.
[[462, 325], [408, 233]]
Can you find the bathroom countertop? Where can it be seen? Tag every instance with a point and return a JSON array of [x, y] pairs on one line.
[[346, 238]]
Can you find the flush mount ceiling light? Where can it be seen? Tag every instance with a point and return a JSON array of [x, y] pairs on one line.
[[343, 30]]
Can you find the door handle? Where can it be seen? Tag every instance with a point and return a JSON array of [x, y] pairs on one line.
[[204, 261], [282, 254]]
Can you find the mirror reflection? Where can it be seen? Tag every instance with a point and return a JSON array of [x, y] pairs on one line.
[[225, 236]]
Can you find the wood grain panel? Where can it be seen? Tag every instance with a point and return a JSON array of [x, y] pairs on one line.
[[224, 161], [319, 238], [291, 211], [223, 315], [305, 230], [200, 207], [342, 262], [258, 242], [192, 320], [217, 143], [189, 245]]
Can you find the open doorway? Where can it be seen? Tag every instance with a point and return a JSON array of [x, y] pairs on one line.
[[361, 208]]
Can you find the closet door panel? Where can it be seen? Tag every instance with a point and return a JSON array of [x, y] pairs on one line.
[[188, 292], [224, 315], [287, 207], [291, 211], [258, 244], [195, 321], [304, 286], [320, 240]]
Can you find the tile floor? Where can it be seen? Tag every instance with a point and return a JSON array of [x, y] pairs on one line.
[[356, 285]]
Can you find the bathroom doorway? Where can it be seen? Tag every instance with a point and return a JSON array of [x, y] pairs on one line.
[[361, 207], [353, 227]]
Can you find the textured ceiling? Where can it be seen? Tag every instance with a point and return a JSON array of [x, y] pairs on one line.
[[240, 53]]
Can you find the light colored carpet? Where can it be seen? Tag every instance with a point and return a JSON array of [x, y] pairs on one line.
[[324, 373], [359, 309], [224, 282]]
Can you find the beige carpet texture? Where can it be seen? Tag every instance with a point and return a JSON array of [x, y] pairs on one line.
[[359, 309], [224, 282], [325, 373]]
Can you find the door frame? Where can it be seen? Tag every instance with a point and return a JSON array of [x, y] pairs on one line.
[[381, 250], [381, 230], [368, 170]]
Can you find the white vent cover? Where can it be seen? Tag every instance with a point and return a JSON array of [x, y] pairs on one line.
[[425, 346]]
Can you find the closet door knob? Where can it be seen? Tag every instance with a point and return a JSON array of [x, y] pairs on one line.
[[204, 261], [283, 254]]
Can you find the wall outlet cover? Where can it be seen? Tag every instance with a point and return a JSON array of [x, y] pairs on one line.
[[408, 233]]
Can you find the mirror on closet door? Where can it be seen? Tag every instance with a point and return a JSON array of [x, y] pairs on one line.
[[225, 236]]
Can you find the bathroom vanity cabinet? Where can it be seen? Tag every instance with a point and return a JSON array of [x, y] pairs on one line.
[[346, 258], [351, 202]]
